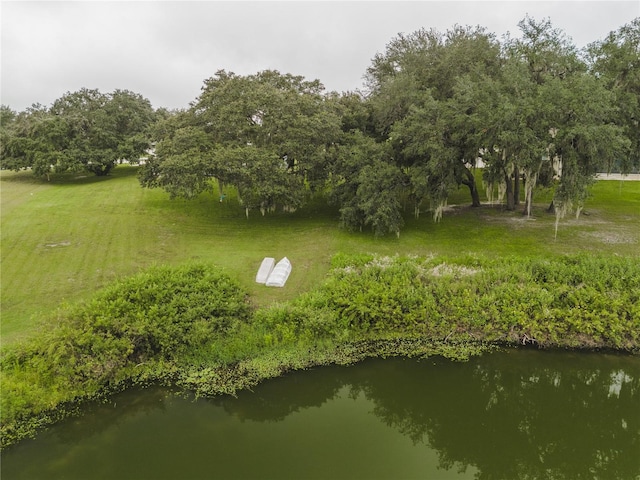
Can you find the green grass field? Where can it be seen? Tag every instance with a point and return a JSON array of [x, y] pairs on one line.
[[62, 240]]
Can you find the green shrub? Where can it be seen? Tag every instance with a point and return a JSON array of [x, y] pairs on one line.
[[125, 332], [573, 299], [192, 325]]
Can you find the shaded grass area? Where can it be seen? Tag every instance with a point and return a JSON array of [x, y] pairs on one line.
[[63, 240]]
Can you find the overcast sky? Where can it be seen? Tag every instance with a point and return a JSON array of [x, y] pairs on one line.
[[164, 50]]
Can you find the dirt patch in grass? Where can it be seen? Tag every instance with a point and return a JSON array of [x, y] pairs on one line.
[[611, 237]]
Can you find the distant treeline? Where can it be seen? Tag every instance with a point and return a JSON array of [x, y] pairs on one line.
[[535, 111]]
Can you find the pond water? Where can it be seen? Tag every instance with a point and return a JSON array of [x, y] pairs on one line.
[[505, 415]]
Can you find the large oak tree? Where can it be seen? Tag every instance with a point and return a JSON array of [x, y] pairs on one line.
[[267, 134], [413, 90], [615, 61], [84, 130], [559, 117]]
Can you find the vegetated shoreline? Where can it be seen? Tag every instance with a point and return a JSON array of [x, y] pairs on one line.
[[230, 379], [191, 327]]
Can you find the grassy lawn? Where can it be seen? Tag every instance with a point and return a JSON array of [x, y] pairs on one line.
[[62, 240]]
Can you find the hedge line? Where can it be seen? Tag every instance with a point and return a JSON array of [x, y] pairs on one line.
[[193, 327]]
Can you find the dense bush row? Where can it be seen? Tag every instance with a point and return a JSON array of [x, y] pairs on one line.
[[134, 329], [572, 301], [192, 326]]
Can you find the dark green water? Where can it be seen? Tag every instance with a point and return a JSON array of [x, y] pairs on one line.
[[506, 415]]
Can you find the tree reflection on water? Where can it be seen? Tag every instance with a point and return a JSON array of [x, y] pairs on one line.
[[517, 414]]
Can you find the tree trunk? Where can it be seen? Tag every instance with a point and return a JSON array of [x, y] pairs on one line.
[[511, 205], [528, 202], [552, 208], [470, 182], [531, 178], [101, 170], [516, 186]]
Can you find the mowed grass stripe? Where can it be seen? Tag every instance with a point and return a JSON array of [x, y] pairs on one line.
[[65, 242], [75, 234]]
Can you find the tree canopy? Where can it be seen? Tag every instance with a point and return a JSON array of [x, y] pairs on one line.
[[615, 61], [268, 135], [438, 109], [83, 130]]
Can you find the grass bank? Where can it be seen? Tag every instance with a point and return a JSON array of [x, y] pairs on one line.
[[80, 246], [193, 327], [64, 240]]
